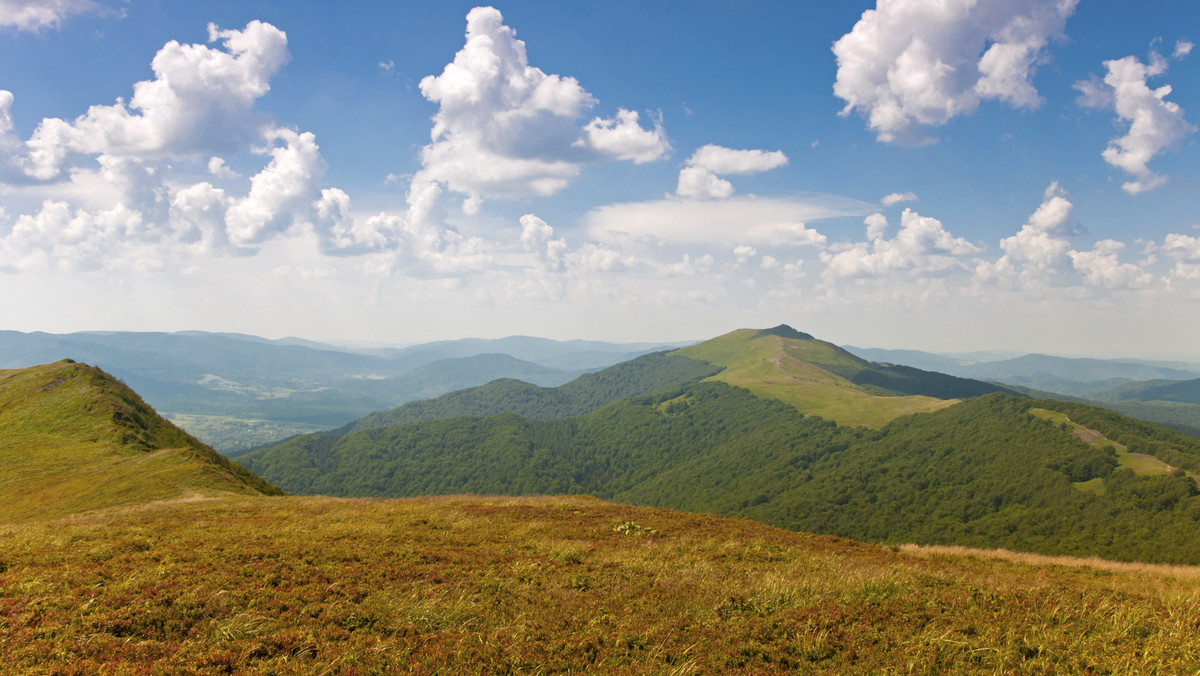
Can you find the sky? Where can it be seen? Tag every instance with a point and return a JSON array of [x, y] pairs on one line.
[[946, 175]]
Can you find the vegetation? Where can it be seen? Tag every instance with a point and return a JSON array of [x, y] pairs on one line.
[[551, 585], [73, 438], [643, 375], [820, 378], [988, 472]]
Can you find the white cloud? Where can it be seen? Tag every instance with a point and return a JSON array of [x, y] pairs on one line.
[[722, 160], [744, 253], [741, 220], [701, 183], [218, 168], [689, 266], [698, 178], [282, 194], [1100, 267], [922, 246], [912, 63], [506, 129], [200, 100], [537, 236], [34, 15], [623, 138], [898, 197], [1042, 242], [1183, 48], [1155, 124]]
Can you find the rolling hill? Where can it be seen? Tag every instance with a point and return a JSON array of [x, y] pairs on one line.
[[74, 438]]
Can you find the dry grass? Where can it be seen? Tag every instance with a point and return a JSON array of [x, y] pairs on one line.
[[550, 585]]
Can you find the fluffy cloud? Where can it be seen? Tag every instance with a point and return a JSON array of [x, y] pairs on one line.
[[699, 177], [507, 129], [909, 63], [1155, 124], [1042, 241], [1100, 267], [200, 100], [537, 236], [34, 15], [922, 245], [1183, 48]]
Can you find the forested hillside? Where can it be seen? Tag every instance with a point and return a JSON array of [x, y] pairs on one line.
[[996, 471], [643, 375]]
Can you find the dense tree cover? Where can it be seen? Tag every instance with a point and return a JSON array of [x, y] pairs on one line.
[[909, 380], [643, 375], [985, 472]]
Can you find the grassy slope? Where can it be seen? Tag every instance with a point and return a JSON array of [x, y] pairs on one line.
[[72, 438], [804, 373], [501, 585]]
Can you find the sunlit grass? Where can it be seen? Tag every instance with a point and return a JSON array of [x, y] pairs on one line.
[[541, 585], [791, 371]]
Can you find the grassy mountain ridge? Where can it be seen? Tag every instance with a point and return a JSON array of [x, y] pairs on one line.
[[820, 378], [72, 437]]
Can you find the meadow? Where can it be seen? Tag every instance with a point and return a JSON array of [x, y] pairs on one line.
[[283, 585]]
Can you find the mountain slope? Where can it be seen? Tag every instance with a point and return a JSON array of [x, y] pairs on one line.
[[989, 471], [586, 393], [820, 378], [73, 438]]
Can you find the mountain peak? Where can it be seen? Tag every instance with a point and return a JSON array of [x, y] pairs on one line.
[[784, 331]]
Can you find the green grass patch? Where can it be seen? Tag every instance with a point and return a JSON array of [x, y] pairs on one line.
[[810, 375]]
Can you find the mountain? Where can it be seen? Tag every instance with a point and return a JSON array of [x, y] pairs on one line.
[[1071, 376], [992, 470], [587, 393], [822, 379], [569, 355], [73, 438]]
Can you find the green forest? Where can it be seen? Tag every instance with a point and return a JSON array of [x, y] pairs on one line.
[[987, 472]]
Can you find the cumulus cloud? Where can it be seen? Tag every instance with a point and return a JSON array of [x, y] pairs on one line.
[[913, 63], [34, 15], [199, 100], [1042, 241], [741, 220], [922, 245], [537, 236], [898, 197], [1101, 267], [699, 177], [1155, 124], [507, 129], [1183, 48]]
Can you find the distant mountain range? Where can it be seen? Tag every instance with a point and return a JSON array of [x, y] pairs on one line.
[[214, 380]]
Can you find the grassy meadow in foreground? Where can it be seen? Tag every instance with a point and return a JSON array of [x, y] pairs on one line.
[[540, 585]]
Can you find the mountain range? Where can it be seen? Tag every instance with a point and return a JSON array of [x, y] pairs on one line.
[[237, 391]]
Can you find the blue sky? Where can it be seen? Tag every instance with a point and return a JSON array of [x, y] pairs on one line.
[[951, 176]]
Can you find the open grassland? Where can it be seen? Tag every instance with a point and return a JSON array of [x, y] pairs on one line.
[[543, 585], [795, 372]]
